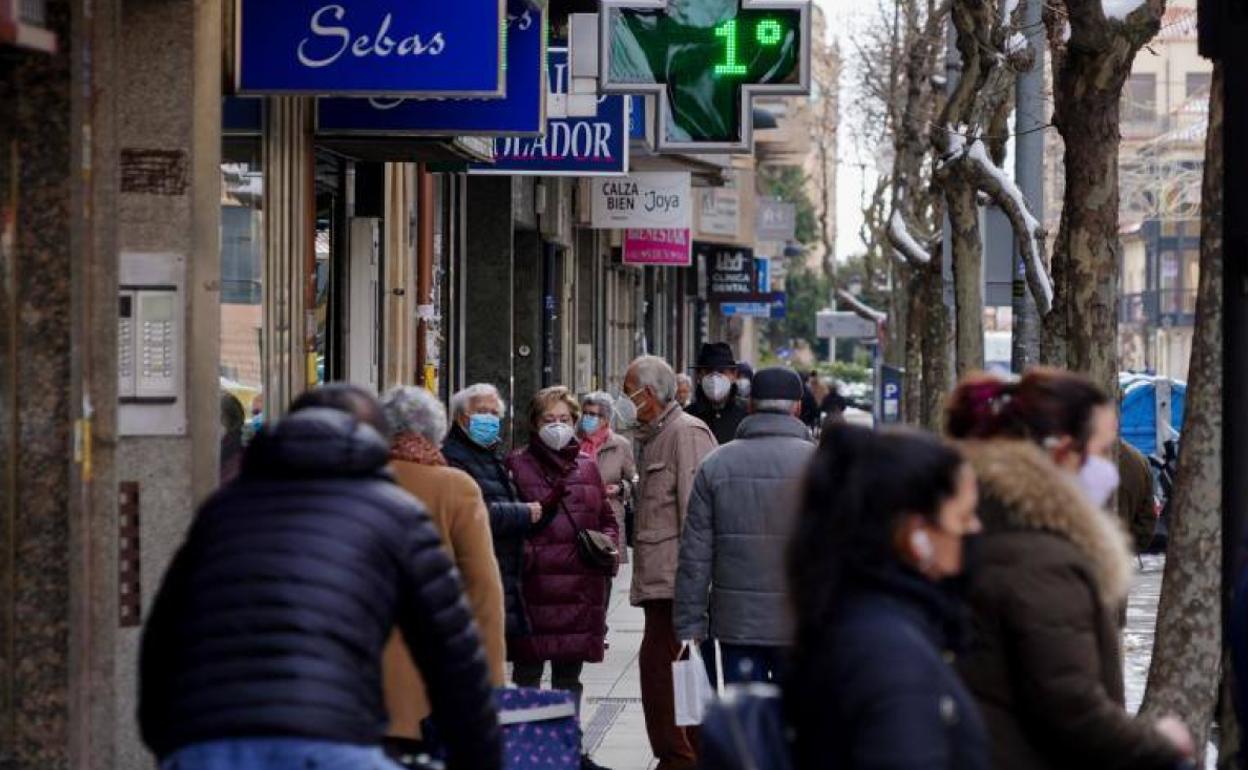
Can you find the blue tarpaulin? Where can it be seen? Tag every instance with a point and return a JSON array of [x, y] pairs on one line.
[[1139, 410]]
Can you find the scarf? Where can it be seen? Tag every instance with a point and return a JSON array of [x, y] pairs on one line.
[[597, 440], [413, 448]]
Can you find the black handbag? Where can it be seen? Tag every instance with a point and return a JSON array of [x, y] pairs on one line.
[[595, 548]]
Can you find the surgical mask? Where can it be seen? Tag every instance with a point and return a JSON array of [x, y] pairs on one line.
[[484, 428], [625, 413], [1099, 479], [590, 424], [716, 387], [743, 388], [556, 435]]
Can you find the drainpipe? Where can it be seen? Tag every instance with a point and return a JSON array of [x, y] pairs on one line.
[[426, 373]]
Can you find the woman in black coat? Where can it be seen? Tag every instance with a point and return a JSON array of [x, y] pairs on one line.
[[880, 535]]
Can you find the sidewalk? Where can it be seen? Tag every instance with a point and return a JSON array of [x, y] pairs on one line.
[[615, 730]]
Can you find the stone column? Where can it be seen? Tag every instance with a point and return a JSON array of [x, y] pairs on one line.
[[488, 267]]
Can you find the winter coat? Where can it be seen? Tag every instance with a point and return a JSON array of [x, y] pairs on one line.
[[509, 517], [722, 420], [272, 618], [1044, 659], [454, 503], [617, 464], [672, 448], [566, 598], [875, 692], [1137, 508], [741, 515]]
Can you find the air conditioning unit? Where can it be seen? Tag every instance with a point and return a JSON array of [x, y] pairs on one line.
[[23, 24]]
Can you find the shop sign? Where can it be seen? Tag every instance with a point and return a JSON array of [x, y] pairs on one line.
[[521, 112], [658, 247], [730, 272], [720, 212], [776, 307], [704, 62], [655, 200], [419, 48], [596, 146], [637, 118], [776, 221], [844, 324]]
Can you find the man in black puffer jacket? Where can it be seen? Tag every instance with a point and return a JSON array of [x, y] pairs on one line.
[[474, 447], [264, 645]]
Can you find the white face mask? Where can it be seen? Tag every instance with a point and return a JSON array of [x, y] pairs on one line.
[[625, 413], [716, 387], [1098, 478], [743, 388], [556, 435]]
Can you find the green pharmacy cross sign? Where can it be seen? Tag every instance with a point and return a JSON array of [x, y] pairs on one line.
[[704, 61]]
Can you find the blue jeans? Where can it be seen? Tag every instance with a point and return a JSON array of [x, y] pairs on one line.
[[277, 754], [743, 663]]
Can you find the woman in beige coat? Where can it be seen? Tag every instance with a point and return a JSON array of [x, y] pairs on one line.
[[454, 502], [616, 462]]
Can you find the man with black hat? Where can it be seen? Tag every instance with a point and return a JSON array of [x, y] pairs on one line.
[[715, 399], [741, 513]]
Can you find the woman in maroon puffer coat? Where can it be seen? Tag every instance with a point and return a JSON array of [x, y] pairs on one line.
[[565, 598]]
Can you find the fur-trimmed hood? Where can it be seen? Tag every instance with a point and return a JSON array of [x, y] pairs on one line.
[[1022, 489]]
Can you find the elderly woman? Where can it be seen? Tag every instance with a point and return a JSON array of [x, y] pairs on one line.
[[566, 596], [614, 455], [455, 504]]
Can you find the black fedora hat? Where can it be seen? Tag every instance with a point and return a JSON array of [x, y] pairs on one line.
[[715, 355]]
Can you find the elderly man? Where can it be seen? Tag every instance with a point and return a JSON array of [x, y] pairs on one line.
[[474, 446], [672, 445], [741, 513], [684, 390], [716, 400]]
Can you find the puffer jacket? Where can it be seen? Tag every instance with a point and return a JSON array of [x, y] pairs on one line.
[[741, 515], [272, 618], [672, 448], [874, 690], [509, 518], [1044, 660], [566, 598]]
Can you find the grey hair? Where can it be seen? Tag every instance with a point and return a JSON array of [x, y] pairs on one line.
[[657, 375], [682, 377], [415, 410], [461, 400], [602, 400], [774, 405]]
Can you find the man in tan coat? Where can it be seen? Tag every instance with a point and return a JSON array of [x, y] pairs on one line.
[[458, 511], [672, 447]]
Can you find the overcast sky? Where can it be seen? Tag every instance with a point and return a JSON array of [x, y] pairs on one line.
[[844, 17]]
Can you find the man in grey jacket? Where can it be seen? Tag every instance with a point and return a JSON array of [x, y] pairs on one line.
[[741, 513]]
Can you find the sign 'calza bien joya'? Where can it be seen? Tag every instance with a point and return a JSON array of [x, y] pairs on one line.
[[417, 48]]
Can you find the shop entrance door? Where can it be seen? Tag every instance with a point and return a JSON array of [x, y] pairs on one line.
[[363, 315]]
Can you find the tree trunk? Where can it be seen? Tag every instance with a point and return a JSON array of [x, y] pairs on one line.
[[937, 347], [1187, 651], [912, 393], [968, 276]]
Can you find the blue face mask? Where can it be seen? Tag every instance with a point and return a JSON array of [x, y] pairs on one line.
[[590, 424], [484, 429]]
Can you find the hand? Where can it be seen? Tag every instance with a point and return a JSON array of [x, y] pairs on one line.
[[1173, 729], [613, 490], [535, 512]]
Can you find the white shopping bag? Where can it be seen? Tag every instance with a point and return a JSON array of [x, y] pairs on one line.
[[691, 684]]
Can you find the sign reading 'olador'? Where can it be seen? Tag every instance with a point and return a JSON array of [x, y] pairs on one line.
[[654, 200], [430, 48]]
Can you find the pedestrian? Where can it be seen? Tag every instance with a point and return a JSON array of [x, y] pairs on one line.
[[474, 446], [741, 515], [879, 535], [684, 390], [745, 380], [672, 445], [1137, 501], [232, 421], [614, 454], [263, 648], [454, 503], [715, 399], [566, 596], [1053, 573]]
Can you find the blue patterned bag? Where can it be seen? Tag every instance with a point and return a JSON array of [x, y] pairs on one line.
[[540, 731]]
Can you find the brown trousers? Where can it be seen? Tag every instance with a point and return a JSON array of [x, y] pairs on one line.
[[675, 747]]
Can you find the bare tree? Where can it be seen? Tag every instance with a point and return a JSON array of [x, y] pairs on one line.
[[1184, 676]]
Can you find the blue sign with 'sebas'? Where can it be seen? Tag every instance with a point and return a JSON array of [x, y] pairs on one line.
[[596, 146], [521, 112], [426, 48]]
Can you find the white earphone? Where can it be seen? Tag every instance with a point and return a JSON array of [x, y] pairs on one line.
[[923, 548]]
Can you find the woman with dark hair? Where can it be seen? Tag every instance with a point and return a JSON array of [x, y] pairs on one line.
[[880, 533], [1054, 568]]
